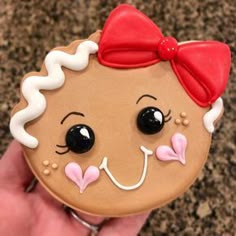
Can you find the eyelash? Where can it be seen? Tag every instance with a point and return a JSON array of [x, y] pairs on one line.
[[62, 146], [166, 118]]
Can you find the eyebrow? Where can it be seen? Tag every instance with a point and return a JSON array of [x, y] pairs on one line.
[[71, 113], [146, 95]]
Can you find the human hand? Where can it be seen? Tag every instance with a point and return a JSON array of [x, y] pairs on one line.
[[37, 213]]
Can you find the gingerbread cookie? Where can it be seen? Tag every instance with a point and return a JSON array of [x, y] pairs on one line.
[[121, 123]]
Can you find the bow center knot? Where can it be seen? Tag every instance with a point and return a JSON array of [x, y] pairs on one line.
[[167, 48]]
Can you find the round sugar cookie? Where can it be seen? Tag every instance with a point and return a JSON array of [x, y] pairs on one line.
[[121, 123]]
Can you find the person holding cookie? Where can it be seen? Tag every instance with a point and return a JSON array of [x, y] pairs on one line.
[[117, 125]]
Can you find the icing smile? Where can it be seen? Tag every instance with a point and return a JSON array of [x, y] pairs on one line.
[[163, 153], [104, 167]]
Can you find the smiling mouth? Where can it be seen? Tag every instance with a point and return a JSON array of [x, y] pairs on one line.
[[104, 167]]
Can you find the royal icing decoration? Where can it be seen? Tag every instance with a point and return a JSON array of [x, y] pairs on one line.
[[177, 121], [46, 162], [74, 172], [55, 79], [183, 114], [202, 67], [185, 122], [46, 172], [54, 166], [104, 167], [174, 153], [213, 114]]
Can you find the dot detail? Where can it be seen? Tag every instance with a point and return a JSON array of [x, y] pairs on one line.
[[177, 121], [46, 172], [183, 114], [54, 166], [185, 122], [46, 162]]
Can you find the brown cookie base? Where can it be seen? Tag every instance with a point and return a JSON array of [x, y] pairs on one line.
[[108, 98]]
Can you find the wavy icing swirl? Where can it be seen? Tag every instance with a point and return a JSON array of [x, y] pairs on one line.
[[213, 114], [55, 79]]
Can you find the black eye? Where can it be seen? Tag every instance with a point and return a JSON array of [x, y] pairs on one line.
[[80, 138], [150, 120]]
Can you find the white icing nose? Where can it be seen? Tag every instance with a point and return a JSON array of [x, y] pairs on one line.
[[146, 151], [103, 164]]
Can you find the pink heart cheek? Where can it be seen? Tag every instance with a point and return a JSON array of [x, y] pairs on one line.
[[73, 172], [179, 143], [90, 175], [165, 153]]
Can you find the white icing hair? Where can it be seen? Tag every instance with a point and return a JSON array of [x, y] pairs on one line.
[[213, 114], [55, 79]]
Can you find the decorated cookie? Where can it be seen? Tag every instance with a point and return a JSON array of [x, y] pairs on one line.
[[121, 123]]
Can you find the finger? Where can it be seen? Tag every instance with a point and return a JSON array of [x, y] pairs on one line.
[[14, 171], [47, 207], [45, 197], [124, 226], [79, 219], [95, 220], [50, 204], [48, 199]]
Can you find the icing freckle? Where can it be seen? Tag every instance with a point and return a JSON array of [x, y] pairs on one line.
[[46, 172], [185, 122], [54, 166], [46, 162], [183, 114], [177, 121]]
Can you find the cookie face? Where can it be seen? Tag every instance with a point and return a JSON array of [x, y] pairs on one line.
[[112, 141], [111, 101]]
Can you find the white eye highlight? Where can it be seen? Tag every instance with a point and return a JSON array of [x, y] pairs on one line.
[[85, 132], [158, 116]]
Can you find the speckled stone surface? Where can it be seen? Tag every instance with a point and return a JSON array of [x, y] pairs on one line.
[[29, 29]]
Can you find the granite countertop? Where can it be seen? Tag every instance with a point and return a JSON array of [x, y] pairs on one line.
[[29, 29]]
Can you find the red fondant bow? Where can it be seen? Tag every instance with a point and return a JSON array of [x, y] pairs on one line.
[[130, 39]]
